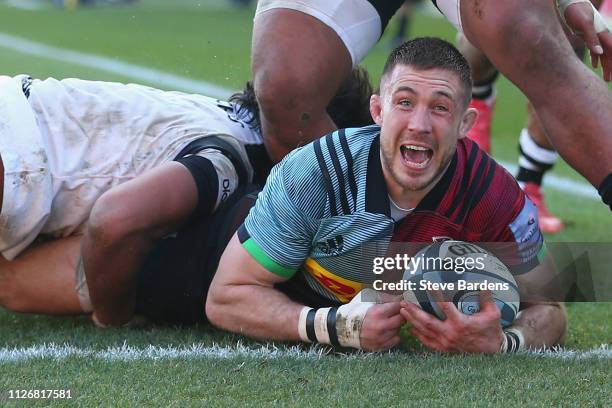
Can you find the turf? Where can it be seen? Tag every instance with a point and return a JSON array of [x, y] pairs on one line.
[[207, 40]]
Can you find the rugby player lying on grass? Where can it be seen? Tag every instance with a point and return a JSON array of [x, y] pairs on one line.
[[302, 254], [120, 163]]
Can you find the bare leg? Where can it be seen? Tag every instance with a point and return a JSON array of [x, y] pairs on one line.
[[483, 94], [482, 69], [526, 42], [298, 64], [42, 279]]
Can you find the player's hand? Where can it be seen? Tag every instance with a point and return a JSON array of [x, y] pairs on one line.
[[580, 18], [478, 333], [380, 329]]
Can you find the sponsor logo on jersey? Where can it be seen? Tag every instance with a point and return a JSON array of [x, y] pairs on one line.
[[331, 246], [341, 288]]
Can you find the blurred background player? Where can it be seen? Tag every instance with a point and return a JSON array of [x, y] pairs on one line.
[[536, 153], [296, 42], [240, 3], [404, 18]]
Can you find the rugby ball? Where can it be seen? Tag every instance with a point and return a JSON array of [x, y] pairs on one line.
[[460, 270]]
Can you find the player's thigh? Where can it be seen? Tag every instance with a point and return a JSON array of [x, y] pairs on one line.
[[295, 53], [508, 27], [42, 278], [358, 24]]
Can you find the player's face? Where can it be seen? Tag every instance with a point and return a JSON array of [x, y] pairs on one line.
[[422, 115]]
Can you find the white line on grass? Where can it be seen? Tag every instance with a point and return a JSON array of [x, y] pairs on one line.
[[130, 353], [165, 79], [199, 351], [113, 66]]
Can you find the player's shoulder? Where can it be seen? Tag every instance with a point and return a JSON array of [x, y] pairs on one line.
[[338, 150], [327, 167], [490, 193]]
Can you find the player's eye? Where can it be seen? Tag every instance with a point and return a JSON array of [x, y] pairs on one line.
[[405, 102], [441, 108]]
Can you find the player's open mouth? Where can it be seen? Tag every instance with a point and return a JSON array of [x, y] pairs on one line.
[[415, 156]]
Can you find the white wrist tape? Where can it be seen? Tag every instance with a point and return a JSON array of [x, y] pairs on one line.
[[598, 21], [349, 320], [302, 324], [338, 326]]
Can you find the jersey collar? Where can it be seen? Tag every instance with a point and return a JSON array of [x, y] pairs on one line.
[[377, 195]]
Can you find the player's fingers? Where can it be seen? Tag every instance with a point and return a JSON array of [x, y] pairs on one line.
[[606, 60], [449, 309], [384, 297], [393, 322], [426, 332], [389, 309], [427, 341], [392, 342], [487, 303], [581, 19], [594, 59], [423, 320]]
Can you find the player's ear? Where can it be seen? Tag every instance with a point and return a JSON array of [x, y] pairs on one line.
[[376, 108], [467, 121]]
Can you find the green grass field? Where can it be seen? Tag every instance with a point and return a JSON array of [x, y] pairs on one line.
[[209, 42]]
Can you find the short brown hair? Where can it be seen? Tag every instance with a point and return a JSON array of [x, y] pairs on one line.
[[429, 53]]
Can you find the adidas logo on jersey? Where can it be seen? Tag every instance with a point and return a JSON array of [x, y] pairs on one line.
[[331, 246]]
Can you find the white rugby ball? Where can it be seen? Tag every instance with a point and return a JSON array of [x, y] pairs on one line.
[[460, 270]]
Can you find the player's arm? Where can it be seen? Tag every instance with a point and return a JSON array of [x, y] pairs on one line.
[[269, 248], [538, 325], [124, 224], [242, 299]]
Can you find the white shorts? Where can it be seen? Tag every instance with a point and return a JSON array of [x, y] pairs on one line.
[[56, 166], [452, 12], [357, 22]]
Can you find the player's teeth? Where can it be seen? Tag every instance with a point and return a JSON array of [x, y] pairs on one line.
[[413, 147]]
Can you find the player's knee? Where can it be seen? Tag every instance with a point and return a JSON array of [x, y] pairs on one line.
[[279, 92], [285, 92]]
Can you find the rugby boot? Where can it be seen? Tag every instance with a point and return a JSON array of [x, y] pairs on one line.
[[481, 132], [547, 221]]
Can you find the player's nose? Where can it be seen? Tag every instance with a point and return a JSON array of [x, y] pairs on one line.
[[420, 120]]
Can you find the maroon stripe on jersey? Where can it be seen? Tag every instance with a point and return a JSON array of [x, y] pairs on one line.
[[485, 170], [460, 195], [476, 177], [493, 167], [435, 198]]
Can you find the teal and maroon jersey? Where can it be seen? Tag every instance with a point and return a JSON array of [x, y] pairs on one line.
[[324, 213]]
